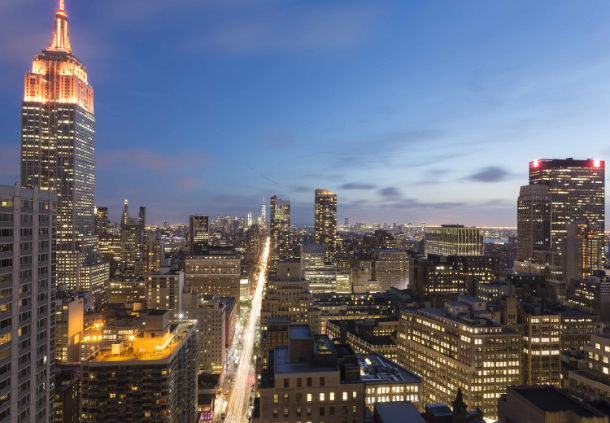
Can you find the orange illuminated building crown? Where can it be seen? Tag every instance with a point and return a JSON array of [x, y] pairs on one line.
[[57, 76]]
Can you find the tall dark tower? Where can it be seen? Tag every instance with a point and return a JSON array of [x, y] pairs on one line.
[[58, 153], [575, 192], [325, 223], [281, 233]]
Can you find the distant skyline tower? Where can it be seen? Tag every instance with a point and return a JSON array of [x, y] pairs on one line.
[[58, 153], [125, 215], [263, 213], [101, 220], [249, 221], [576, 190], [199, 233], [142, 216], [533, 221], [325, 222], [281, 233]]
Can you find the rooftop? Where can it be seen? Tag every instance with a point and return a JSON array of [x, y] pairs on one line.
[[552, 400], [375, 368], [282, 364], [300, 332], [398, 412], [141, 349]]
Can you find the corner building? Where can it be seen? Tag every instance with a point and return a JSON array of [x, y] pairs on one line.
[[58, 153], [454, 348]]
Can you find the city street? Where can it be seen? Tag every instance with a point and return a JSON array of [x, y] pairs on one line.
[[239, 378]]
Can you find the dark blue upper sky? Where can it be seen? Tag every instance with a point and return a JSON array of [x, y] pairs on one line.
[[410, 110]]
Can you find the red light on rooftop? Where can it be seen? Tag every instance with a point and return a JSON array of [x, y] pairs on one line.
[[536, 163], [597, 163]]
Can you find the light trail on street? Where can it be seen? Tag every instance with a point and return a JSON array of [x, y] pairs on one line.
[[238, 404]]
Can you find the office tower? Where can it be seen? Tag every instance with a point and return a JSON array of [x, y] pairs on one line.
[[211, 314], [101, 221], [325, 223], [311, 379], [199, 233], [591, 295], [217, 272], [281, 231], [321, 275], [441, 277], [460, 346], [286, 302], [27, 316], [58, 153], [533, 221], [164, 291], [584, 251], [541, 363], [132, 247], [249, 220], [69, 325], [576, 189], [151, 377], [125, 214], [454, 240], [391, 268], [142, 216], [386, 381], [263, 214]]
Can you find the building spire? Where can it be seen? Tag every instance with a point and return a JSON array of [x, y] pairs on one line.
[[61, 35]]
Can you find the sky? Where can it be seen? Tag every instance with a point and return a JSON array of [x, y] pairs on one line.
[[411, 111]]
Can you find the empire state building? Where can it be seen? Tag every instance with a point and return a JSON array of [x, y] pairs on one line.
[[58, 153]]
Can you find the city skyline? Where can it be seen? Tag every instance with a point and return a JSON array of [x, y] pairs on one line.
[[407, 156]]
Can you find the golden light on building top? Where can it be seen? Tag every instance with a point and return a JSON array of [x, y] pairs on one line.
[[57, 76]]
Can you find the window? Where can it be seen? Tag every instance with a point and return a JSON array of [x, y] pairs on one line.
[[309, 397], [322, 381], [275, 398], [354, 394], [331, 396], [299, 397], [345, 396], [286, 383], [309, 381], [322, 411], [322, 396], [299, 382], [286, 398]]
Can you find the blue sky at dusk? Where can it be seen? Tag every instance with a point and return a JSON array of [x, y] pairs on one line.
[[410, 110]]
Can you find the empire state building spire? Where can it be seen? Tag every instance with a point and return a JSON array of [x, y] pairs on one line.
[[61, 35]]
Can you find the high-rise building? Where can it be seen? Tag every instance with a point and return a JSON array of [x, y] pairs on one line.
[[576, 191], [58, 153], [325, 223], [210, 311], [249, 221], [199, 233], [133, 258], [218, 272], [164, 291], [281, 231], [321, 275], [27, 314], [460, 347], [584, 251], [454, 240], [142, 216], [533, 221], [311, 379], [391, 268], [69, 325], [150, 377], [101, 221], [540, 360]]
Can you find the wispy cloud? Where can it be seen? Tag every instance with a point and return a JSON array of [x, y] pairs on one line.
[[357, 186], [389, 192], [489, 175]]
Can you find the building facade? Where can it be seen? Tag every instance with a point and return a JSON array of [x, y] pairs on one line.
[[217, 272], [325, 223], [453, 240], [58, 153], [27, 313], [281, 231]]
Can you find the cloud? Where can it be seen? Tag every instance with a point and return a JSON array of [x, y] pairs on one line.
[[276, 30], [141, 159], [357, 186], [187, 184], [300, 188], [489, 175], [389, 192], [411, 203]]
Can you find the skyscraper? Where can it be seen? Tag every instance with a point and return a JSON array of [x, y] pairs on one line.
[[325, 222], [101, 221], [27, 314], [281, 235], [576, 191], [454, 240], [199, 233], [58, 153], [533, 221]]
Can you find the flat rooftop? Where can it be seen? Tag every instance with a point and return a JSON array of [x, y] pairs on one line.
[[282, 364], [398, 412], [552, 400], [299, 332], [146, 349], [375, 368]]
